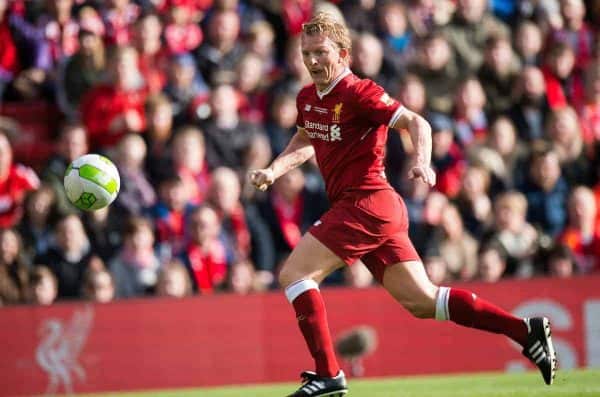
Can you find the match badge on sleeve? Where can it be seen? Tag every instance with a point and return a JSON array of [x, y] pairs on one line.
[[386, 99], [307, 108]]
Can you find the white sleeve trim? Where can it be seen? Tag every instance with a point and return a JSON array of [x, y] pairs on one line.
[[296, 289], [441, 304], [396, 115]]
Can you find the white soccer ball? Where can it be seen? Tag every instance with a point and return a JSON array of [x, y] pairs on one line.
[[92, 182]]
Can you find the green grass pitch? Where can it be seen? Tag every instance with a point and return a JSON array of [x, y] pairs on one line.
[[567, 383]]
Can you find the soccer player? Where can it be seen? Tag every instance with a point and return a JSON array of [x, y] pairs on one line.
[[343, 120]]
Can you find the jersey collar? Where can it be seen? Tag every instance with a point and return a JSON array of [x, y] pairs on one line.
[[331, 86]]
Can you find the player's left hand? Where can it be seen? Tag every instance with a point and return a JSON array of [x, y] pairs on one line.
[[424, 173]]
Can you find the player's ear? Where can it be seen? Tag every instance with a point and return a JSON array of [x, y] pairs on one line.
[[344, 54]]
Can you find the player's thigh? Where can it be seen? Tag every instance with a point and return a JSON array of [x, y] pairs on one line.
[[408, 283], [310, 259]]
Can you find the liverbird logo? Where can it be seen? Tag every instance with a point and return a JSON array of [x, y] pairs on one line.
[[337, 112], [59, 349]]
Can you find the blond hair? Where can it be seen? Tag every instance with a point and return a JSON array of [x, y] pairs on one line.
[[326, 24]]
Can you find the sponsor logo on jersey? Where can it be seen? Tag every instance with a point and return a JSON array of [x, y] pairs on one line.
[[337, 112], [385, 98], [336, 133], [323, 132]]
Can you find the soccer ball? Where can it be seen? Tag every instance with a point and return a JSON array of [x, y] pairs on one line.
[[92, 182]]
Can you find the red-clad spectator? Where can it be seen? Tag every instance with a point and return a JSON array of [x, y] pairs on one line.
[[153, 57], [206, 255], [15, 181], [253, 105], [61, 29], [582, 234], [224, 195], [564, 85], [590, 112], [575, 31], [188, 151], [112, 110], [182, 33], [295, 13], [9, 57], [447, 157], [119, 18]]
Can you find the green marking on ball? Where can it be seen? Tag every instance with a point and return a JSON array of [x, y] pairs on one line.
[[69, 168], [86, 200], [99, 177]]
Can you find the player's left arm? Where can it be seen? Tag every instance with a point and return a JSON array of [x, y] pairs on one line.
[[420, 135]]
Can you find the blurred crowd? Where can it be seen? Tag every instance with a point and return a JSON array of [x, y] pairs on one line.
[[187, 95]]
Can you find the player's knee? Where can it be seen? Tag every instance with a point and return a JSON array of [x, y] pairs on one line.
[[287, 276]]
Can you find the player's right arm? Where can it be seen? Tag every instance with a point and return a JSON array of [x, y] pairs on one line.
[[297, 152]]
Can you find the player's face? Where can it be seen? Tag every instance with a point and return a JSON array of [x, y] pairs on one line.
[[323, 59]]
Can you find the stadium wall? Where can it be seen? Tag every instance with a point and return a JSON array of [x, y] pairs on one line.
[[229, 339]]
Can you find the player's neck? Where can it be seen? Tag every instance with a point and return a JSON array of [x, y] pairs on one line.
[[323, 89]]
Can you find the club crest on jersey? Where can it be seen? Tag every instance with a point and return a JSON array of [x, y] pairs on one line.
[[385, 98], [337, 112]]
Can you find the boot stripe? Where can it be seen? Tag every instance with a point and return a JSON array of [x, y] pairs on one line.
[[535, 346]]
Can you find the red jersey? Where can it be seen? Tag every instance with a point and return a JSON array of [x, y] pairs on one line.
[[19, 181], [347, 125]]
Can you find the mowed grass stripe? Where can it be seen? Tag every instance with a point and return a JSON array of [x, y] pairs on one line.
[[568, 383]]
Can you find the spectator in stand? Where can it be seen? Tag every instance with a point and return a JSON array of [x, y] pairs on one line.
[[218, 55], [414, 193], [43, 287], [566, 136], [473, 200], [457, 247], [244, 231], [261, 42], [561, 262], [575, 32], [437, 68], [436, 268], [153, 57], [360, 15], [13, 271], [467, 32], [503, 155], [242, 279], [530, 108], [104, 229], [136, 194], [182, 33], [112, 110], [69, 257], [491, 264], [186, 90], [358, 276], [295, 75], [546, 191], [174, 280], [228, 138], [282, 122], [528, 43], [206, 256], [498, 74], [36, 226], [135, 268], [426, 15], [98, 286], [72, 143], [582, 234], [564, 84], [421, 233], [159, 116], [393, 30], [290, 209], [169, 216], [15, 181], [513, 234], [470, 119], [590, 113], [188, 155], [9, 54], [119, 17], [81, 72], [447, 157], [368, 61], [250, 84]]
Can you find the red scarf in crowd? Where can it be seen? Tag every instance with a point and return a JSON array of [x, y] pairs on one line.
[[289, 217]]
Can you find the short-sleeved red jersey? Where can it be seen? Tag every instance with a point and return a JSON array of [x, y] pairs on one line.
[[347, 125]]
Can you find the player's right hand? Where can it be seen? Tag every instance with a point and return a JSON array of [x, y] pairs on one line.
[[262, 178]]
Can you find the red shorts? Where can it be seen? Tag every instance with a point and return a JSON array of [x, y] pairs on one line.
[[368, 225]]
